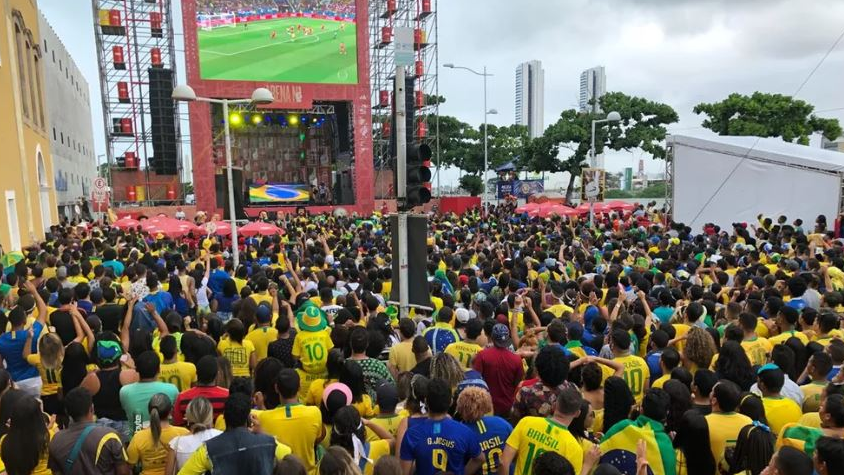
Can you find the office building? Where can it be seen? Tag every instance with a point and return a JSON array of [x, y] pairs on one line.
[[26, 184], [593, 85], [530, 97], [69, 120]]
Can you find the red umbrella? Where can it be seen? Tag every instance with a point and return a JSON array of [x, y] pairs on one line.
[[620, 205], [260, 227], [583, 208], [221, 228], [169, 227], [527, 208], [126, 223]]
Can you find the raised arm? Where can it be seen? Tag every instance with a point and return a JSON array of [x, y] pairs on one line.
[[162, 327], [127, 322], [39, 302]]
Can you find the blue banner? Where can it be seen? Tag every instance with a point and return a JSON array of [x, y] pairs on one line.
[[520, 188]]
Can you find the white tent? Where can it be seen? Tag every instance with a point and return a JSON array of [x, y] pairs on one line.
[[729, 179]]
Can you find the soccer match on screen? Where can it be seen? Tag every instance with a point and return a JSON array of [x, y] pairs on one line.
[[305, 41]]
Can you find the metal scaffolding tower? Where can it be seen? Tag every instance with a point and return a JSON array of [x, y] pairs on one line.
[[384, 17], [134, 40]]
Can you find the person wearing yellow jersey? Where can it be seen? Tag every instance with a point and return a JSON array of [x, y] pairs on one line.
[[724, 423], [334, 365], [25, 444], [148, 447], [48, 362], [668, 360], [311, 344], [293, 424], [533, 435], [264, 333], [179, 373], [464, 351], [817, 369], [787, 322], [779, 410], [826, 327], [387, 398], [757, 348], [235, 348], [238, 449], [636, 373]]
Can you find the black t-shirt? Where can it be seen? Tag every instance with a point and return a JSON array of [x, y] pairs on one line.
[[111, 314], [423, 368], [62, 321]]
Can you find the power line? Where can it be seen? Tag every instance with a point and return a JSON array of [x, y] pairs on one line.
[[756, 142]]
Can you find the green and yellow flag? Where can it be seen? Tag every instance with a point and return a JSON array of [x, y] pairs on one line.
[[618, 447]]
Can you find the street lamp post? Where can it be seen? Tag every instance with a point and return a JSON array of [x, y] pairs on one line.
[[260, 96], [487, 112], [593, 161]]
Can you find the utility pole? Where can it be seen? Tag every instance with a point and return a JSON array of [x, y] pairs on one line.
[[401, 190]]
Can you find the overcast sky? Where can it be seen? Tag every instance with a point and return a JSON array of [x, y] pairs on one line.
[[680, 52]]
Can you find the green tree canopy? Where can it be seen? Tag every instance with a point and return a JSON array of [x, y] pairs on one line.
[[767, 115], [564, 147]]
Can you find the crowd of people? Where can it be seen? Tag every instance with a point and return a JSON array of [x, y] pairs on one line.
[[549, 347]]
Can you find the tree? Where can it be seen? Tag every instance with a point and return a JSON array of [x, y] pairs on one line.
[[473, 184], [643, 126], [458, 145], [767, 115]]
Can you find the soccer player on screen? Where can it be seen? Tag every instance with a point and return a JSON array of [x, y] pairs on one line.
[[273, 35], [342, 48]]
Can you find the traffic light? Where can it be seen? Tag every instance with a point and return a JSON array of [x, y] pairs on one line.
[[418, 176]]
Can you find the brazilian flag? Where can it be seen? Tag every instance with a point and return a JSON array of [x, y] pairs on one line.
[[800, 437], [618, 447]]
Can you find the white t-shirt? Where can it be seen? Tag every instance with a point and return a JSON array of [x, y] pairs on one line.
[[202, 294], [186, 445]]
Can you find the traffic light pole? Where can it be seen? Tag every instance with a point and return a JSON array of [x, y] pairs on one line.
[[401, 192]]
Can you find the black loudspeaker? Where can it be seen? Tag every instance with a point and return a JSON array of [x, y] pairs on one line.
[[341, 110], [417, 259], [162, 109], [223, 193], [344, 189]]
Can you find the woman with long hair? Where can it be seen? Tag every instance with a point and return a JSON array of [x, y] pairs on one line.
[[149, 446], [237, 349], [681, 401], [752, 407], [74, 366], [617, 391], [416, 388], [694, 455], [24, 445], [181, 299], [200, 421], [581, 424], [349, 432], [754, 449], [352, 376], [698, 350], [734, 365], [266, 371]]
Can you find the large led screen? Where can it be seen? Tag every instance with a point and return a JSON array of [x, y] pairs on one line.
[[279, 193], [302, 41]]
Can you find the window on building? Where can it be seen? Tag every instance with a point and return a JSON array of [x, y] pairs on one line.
[[54, 134], [30, 57], [23, 85], [62, 136], [45, 45], [54, 56], [38, 89]]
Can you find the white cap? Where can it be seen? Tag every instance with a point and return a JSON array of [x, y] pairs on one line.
[[462, 315]]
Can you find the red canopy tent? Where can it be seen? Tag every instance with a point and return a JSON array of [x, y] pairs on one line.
[[126, 223], [527, 208], [619, 205]]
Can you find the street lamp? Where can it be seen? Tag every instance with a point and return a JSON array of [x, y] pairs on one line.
[[611, 117], [487, 112], [260, 96]]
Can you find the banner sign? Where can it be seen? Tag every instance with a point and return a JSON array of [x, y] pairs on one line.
[[520, 188]]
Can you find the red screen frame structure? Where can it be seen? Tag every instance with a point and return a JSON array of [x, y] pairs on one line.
[[296, 96]]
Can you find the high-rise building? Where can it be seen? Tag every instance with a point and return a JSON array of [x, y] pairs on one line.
[[26, 181], [530, 97], [593, 85], [68, 122]]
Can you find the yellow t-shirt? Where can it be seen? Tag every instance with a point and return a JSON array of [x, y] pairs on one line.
[[780, 411], [377, 449], [724, 429], [402, 357], [464, 352], [681, 329], [151, 456], [365, 407], [757, 350], [812, 395], [239, 284], [312, 350], [51, 379], [199, 462], [660, 381], [314, 396], [784, 336], [181, 374], [389, 422], [261, 338], [636, 375], [559, 310], [296, 426], [261, 297], [534, 435], [811, 419], [238, 354]]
